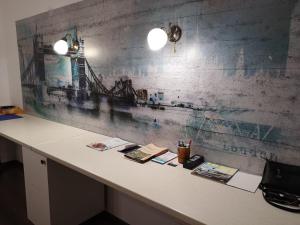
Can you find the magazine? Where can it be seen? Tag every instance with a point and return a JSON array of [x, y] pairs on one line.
[[215, 172]]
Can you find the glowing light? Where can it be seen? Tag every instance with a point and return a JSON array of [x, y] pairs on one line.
[[61, 47], [157, 38], [92, 52]]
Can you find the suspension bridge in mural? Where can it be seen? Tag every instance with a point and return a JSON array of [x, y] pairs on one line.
[[90, 85]]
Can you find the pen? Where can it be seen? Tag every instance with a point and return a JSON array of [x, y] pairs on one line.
[[181, 144]]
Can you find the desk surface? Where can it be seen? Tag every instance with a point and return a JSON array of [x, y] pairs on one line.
[[175, 191], [31, 130]]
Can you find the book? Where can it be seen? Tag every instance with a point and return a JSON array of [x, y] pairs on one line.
[[146, 153], [215, 172], [108, 144], [164, 158]]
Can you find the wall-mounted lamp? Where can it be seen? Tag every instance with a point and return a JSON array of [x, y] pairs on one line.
[[157, 38], [67, 43]]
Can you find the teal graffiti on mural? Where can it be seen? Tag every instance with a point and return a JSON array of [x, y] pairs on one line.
[[261, 132]]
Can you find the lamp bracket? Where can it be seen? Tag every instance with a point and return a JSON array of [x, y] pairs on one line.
[[174, 33]]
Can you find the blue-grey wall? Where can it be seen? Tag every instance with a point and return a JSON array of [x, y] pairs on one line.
[[237, 64]]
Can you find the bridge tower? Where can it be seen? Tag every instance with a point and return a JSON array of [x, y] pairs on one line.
[[81, 66], [82, 92], [38, 56]]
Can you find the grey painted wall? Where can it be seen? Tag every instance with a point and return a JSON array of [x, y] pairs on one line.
[[237, 62]]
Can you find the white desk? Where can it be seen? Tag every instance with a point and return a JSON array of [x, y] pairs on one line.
[[31, 131], [174, 191]]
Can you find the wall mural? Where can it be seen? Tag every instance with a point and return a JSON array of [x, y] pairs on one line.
[[232, 86]]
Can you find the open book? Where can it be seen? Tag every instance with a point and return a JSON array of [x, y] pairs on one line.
[[146, 153]]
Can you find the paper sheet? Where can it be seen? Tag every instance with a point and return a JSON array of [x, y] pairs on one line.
[[245, 181], [108, 144]]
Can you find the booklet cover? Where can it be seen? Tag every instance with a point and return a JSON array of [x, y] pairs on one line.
[[108, 144], [145, 153], [215, 172], [164, 158]]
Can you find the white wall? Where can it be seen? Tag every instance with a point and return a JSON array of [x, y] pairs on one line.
[[4, 89], [13, 10]]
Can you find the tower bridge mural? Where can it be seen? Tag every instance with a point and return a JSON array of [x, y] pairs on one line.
[[217, 89], [89, 84]]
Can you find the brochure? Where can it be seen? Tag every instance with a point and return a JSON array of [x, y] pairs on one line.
[[164, 158], [215, 172]]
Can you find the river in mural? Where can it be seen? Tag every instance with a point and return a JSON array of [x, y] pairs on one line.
[[230, 84]]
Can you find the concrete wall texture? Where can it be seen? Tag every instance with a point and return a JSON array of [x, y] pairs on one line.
[[11, 11], [237, 63]]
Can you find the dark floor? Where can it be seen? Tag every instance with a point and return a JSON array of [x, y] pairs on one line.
[[12, 199]]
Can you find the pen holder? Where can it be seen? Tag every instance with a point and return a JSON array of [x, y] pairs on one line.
[[183, 154]]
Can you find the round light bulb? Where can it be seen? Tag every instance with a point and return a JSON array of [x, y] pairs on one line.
[[61, 47], [157, 39]]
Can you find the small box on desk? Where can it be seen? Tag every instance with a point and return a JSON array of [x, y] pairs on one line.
[[193, 162]]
